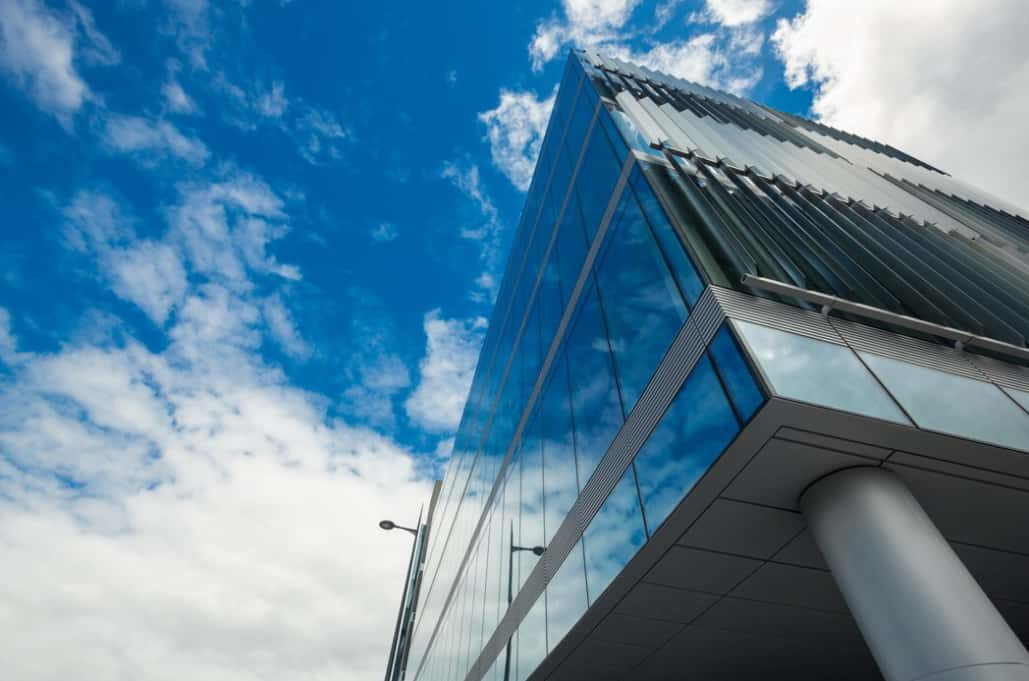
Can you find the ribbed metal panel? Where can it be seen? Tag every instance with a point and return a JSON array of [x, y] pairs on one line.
[[905, 348], [748, 308], [1002, 373], [708, 315]]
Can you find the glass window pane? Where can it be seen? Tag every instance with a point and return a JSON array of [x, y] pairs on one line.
[[596, 409], [613, 135], [571, 249], [596, 180], [559, 474], [738, 379], [531, 501], [641, 301], [532, 640], [614, 536], [685, 273], [697, 427], [566, 597], [953, 404], [1019, 396], [813, 371], [548, 299], [578, 125]]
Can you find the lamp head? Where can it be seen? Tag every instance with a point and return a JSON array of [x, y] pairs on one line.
[[387, 524]]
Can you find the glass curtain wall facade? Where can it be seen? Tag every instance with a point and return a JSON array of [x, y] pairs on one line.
[[649, 193], [598, 286]]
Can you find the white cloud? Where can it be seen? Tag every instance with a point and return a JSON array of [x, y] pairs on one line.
[[9, 354], [917, 75], [445, 372], [515, 131], [584, 23], [486, 231], [384, 231], [37, 51], [149, 140], [737, 12], [283, 328], [201, 517], [703, 58], [319, 136], [149, 274], [176, 98], [272, 103]]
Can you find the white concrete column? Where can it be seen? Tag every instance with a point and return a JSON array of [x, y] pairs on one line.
[[922, 614]]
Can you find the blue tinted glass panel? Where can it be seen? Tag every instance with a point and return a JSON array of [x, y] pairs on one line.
[[532, 640], [614, 536], [685, 273], [613, 136], [548, 299], [531, 500], [697, 427], [596, 181], [566, 597], [738, 379], [953, 404], [566, 93], [814, 371], [640, 299], [570, 249], [578, 126], [559, 473], [596, 409]]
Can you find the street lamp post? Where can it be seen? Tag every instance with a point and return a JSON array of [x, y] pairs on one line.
[[537, 551]]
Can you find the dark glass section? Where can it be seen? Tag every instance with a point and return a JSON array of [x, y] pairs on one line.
[[614, 536], [685, 273], [596, 180], [642, 303], [696, 428], [736, 374]]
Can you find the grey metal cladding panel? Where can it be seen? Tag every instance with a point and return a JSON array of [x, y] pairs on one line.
[[748, 308], [905, 348], [708, 315]]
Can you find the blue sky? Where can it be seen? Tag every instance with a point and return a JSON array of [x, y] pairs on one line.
[[248, 255]]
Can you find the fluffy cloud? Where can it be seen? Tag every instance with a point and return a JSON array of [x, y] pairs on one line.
[[150, 141], [182, 510], [37, 51], [445, 373], [515, 132], [584, 22], [737, 12], [916, 75]]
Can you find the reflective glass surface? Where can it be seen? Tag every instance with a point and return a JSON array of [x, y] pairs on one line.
[[642, 304], [814, 371], [566, 597], [696, 428], [532, 640], [595, 404], [614, 536], [1019, 396], [953, 404], [735, 373], [531, 500], [596, 181], [682, 267], [559, 470]]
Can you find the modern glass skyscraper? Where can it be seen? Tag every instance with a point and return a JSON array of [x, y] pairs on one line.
[[752, 404]]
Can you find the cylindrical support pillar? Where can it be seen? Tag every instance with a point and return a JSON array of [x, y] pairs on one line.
[[922, 614]]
